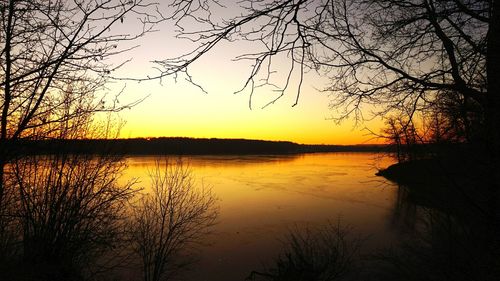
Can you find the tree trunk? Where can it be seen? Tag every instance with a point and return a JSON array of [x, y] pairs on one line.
[[492, 112], [493, 74], [492, 122]]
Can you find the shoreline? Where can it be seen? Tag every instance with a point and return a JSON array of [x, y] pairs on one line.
[[181, 146]]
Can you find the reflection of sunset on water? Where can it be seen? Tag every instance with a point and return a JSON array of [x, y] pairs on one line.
[[262, 197], [251, 91]]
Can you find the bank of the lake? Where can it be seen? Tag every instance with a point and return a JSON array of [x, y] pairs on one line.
[[182, 146]]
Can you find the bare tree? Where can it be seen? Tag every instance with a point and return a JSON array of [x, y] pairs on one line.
[[396, 52], [70, 209], [401, 56], [173, 216], [324, 254], [401, 132], [53, 58], [54, 69]]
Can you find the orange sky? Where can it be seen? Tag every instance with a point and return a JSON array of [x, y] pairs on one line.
[[175, 109]]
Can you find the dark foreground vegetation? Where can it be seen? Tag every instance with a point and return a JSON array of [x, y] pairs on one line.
[[430, 69], [447, 211], [70, 219]]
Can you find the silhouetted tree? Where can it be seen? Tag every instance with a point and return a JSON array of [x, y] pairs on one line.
[[173, 216], [70, 210], [393, 57], [325, 254], [399, 54], [54, 65], [452, 119], [401, 132], [53, 62]]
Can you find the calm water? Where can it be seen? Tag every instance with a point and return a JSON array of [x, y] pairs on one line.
[[263, 197]]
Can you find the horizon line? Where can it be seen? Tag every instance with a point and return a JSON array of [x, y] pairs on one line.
[[235, 139]]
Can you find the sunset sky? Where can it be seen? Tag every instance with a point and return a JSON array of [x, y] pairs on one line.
[[179, 109]]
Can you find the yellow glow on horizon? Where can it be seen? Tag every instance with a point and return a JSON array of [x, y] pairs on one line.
[[179, 109], [183, 111]]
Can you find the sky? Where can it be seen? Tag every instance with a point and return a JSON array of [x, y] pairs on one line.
[[180, 109]]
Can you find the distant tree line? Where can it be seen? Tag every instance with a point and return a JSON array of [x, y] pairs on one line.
[[181, 146], [159, 146]]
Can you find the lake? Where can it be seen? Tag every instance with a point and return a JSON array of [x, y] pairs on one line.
[[262, 198]]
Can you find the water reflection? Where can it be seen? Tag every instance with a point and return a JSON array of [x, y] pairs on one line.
[[404, 216], [427, 232], [443, 238], [261, 197], [438, 239]]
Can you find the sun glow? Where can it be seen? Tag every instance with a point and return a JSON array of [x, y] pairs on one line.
[[176, 108], [184, 111]]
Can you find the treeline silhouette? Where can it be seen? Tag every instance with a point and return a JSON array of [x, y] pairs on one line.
[[179, 146]]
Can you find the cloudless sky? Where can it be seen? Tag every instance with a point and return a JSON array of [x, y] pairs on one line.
[[179, 109]]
